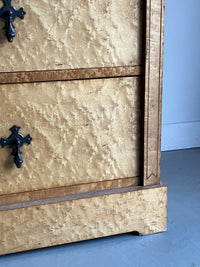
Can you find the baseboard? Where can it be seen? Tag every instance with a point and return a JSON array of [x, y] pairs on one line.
[[180, 135]]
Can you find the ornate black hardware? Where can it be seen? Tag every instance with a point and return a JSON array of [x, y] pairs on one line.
[[16, 140], [8, 13]]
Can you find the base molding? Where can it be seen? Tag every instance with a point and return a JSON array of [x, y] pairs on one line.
[[137, 209], [180, 135]]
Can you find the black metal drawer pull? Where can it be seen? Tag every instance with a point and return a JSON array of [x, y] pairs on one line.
[[16, 140], [8, 13]]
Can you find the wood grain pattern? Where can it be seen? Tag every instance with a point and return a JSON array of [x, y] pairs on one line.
[[153, 90], [83, 131], [69, 75], [47, 225], [74, 34], [87, 134], [67, 190]]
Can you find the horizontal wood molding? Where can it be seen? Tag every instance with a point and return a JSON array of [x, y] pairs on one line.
[[69, 75], [78, 196], [8, 199]]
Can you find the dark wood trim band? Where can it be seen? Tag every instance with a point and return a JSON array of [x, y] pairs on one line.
[[67, 190], [69, 75], [65, 198]]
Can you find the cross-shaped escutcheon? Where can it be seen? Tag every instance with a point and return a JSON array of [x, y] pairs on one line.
[[16, 140], [8, 13]]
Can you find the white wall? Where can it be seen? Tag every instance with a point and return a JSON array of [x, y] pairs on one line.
[[181, 81]]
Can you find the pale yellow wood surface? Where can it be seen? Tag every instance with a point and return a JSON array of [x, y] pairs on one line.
[[68, 34], [47, 225], [153, 91], [83, 131], [87, 134]]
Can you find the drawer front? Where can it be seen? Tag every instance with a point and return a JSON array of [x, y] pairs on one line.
[[83, 132], [68, 34]]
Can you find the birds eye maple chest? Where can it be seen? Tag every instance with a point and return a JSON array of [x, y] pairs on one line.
[[80, 121]]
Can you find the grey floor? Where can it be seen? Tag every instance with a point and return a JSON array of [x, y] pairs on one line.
[[179, 246]]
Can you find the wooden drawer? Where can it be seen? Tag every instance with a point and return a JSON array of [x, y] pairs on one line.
[[84, 79], [74, 34], [83, 132]]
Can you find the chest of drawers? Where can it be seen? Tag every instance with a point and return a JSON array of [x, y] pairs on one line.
[[84, 79]]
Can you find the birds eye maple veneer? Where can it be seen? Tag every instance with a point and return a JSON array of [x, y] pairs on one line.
[[83, 79]]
